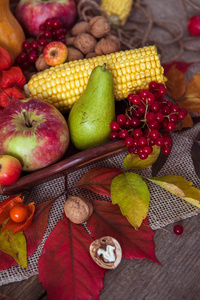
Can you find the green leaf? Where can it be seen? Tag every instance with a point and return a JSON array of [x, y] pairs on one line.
[[14, 245], [180, 187], [132, 161], [131, 193]]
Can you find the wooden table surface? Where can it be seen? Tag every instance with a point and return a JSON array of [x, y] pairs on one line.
[[176, 278]]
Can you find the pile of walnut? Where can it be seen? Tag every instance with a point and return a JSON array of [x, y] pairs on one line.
[[105, 251], [90, 39]]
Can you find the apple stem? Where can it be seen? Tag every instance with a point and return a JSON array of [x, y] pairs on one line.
[[27, 121]]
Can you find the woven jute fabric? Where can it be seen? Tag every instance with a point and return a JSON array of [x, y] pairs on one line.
[[165, 208]]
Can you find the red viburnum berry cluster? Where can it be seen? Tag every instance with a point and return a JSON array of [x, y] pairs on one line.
[[51, 30], [147, 121]]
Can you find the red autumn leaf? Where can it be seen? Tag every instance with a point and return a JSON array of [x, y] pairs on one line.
[[108, 220], [18, 227], [180, 65], [10, 95], [98, 180], [12, 77], [66, 269], [5, 59], [6, 261], [35, 232]]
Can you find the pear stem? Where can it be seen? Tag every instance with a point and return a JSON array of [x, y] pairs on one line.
[[104, 67]]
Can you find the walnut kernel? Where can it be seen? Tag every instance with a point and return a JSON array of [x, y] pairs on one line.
[[106, 252]]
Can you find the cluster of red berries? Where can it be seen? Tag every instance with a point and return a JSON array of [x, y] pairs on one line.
[[147, 121], [51, 30]]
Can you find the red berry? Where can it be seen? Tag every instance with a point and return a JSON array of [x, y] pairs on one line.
[[26, 45], [154, 134], [150, 116], [56, 23], [194, 25], [114, 135], [48, 22], [175, 108], [159, 117], [166, 110], [143, 155], [123, 133], [135, 99], [132, 150], [47, 34], [153, 85], [114, 126], [147, 149], [154, 107], [173, 118], [170, 126], [141, 108], [34, 45], [182, 113], [42, 42], [142, 141], [167, 141], [166, 150], [129, 141], [160, 141], [137, 133], [135, 122], [32, 57], [178, 229], [144, 93], [162, 91], [42, 27], [127, 123], [153, 124], [121, 119], [150, 99]]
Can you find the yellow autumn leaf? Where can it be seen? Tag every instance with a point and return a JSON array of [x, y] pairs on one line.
[[134, 162], [180, 187], [14, 245], [131, 193], [175, 83]]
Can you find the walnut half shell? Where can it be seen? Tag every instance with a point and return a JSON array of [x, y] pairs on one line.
[[106, 252]]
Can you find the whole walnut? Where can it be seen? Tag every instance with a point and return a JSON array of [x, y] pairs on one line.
[[85, 42], [41, 64], [79, 28], [74, 54], [78, 209], [107, 46], [99, 27]]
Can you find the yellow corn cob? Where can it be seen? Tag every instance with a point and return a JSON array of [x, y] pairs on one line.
[[132, 70], [117, 10]]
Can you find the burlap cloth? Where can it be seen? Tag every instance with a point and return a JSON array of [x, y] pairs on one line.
[[164, 207]]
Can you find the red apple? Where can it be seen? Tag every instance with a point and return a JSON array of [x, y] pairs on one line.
[[33, 131], [10, 169], [31, 14], [55, 53]]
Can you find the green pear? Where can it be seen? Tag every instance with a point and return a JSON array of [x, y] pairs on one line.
[[90, 117]]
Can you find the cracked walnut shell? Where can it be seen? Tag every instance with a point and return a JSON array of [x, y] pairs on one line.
[[106, 252]]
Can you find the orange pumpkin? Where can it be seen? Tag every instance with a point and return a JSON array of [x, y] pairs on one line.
[[11, 32]]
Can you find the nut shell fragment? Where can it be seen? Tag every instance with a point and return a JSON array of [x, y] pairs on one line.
[[102, 243]]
